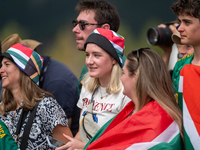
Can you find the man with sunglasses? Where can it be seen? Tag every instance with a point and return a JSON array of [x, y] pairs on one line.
[[93, 14]]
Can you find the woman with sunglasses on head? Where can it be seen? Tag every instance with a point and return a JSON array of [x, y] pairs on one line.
[[101, 93], [23, 100], [152, 120]]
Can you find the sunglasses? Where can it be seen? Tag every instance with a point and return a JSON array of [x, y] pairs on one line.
[[138, 54], [179, 55], [82, 24]]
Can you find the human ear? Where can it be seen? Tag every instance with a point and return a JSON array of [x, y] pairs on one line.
[[114, 61], [106, 26]]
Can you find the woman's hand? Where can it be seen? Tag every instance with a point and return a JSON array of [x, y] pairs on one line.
[[73, 144]]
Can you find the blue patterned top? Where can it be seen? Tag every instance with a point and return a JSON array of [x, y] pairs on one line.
[[48, 115]]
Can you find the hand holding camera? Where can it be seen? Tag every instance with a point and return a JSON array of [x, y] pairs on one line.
[[161, 35]]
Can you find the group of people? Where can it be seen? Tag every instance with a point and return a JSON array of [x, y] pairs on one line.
[[121, 103]]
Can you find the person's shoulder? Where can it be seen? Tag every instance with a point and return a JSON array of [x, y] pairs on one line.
[[49, 103], [58, 64], [47, 100], [84, 71], [54, 69], [185, 60], [182, 62]]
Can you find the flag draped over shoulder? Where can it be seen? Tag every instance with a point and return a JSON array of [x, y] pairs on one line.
[[6, 140], [189, 87], [150, 128]]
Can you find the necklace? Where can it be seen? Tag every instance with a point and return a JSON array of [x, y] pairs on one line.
[[101, 94]]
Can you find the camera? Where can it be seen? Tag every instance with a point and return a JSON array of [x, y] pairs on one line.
[[160, 36]]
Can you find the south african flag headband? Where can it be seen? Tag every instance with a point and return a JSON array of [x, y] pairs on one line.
[[29, 61]]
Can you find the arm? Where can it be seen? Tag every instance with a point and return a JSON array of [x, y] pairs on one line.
[[56, 122], [58, 133], [167, 49], [67, 96], [72, 144]]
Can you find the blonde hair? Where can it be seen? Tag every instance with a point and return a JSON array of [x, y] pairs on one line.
[[113, 86], [30, 92], [154, 81]]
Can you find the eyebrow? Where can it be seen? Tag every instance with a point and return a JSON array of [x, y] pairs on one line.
[[82, 20], [6, 61], [94, 52], [185, 20]]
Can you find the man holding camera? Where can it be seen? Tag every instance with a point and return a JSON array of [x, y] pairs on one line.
[[169, 47], [186, 75]]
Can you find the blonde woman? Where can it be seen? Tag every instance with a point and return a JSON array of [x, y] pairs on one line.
[[102, 87]]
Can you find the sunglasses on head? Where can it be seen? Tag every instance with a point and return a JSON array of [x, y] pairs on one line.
[[138, 54], [82, 24]]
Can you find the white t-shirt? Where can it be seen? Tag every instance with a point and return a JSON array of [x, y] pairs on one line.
[[104, 109]]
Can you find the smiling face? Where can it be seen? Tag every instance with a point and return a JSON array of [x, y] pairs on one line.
[[81, 35], [10, 75], [99, 63], [189, 30]]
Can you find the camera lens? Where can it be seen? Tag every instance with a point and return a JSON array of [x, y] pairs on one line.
[[159, 36], [152, 36]]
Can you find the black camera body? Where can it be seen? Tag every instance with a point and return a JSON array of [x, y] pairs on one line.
[[160, 36]]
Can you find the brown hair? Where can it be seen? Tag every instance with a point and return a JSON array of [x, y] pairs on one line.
[[153, 80], [188, 7], [30, 92], [104, 12]]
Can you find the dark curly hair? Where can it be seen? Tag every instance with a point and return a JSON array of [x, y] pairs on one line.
[[188, 7]]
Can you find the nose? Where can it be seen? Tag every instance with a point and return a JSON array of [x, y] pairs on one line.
[[183, 50], [76, 29], [180, 28], [1, 69], [89, 60]]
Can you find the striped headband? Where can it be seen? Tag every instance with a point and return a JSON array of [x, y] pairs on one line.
[[109, 41], [29, 61]]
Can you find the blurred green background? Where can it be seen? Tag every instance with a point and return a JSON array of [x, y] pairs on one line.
[[49, 21]]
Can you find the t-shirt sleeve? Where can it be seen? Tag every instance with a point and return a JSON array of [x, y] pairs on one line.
[[51, 114]]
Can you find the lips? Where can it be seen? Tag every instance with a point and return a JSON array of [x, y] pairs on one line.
[[182, 36], [79, 38]]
